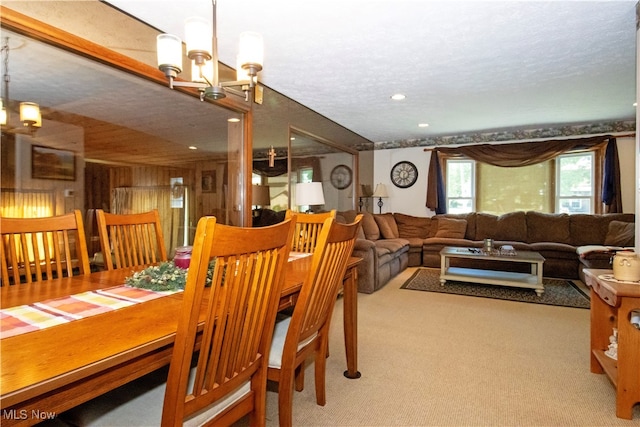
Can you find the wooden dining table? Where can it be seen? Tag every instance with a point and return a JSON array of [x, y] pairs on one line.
[[47, 371]]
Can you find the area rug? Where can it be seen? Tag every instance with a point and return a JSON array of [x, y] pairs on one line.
[[556, 291]]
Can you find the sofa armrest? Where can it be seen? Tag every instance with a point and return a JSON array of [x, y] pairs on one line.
[[368, 268]]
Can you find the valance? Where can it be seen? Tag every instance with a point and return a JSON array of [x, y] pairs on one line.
[[518, 155]]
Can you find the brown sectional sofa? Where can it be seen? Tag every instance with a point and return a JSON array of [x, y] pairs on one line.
[[389, 243]]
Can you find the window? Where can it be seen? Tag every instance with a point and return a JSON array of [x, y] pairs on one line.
[[565, 184], [575, 179], [460, 186]]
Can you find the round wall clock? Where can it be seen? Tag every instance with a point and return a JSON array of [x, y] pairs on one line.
[[404, 174], [341, 177]]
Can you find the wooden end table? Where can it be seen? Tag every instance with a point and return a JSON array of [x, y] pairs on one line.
[[611, 305]]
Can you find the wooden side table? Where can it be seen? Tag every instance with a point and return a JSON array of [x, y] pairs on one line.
[[611, 305]]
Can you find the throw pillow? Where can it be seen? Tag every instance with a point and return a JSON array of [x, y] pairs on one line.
[[370, 227], [451, 228], [412, 226], [620, 234], [387, 224]]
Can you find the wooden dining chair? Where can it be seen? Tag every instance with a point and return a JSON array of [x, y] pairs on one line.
[[36, 249], [308, 227], [129, 240], [218, 369], [306, 332]]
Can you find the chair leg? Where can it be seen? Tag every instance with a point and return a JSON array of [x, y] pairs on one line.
[[285, 397], [258, 417], [320, 370], [300, 377]]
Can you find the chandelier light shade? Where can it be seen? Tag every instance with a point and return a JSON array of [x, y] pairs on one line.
[[30, 114], [202, 50], [202, 74], [169, 54], [251, 52], [198, 34], [309, 194], [3, 114]]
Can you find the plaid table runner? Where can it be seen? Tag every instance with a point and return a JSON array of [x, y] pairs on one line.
[[44, 314]]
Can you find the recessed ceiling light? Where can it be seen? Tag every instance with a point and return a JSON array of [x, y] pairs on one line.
[[233, 120], [635, 104], [398, 97], [193, 147], [423, 125], [293, 138]]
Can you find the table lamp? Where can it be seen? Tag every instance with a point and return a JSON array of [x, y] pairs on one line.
[[260, 195], [381, 192], [309, 194]]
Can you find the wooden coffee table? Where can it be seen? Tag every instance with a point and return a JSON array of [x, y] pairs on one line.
[[531, 280]]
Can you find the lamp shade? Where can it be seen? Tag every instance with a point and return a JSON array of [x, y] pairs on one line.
[[309, 193], [260, 195], [169, 53], [198, 37], [30, 114], [202, 73], [251, 52], [381, 191], [3, 114]]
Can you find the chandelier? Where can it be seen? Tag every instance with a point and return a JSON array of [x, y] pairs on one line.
[[202, 50], [30, 116]]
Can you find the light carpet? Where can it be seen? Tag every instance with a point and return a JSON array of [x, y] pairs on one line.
[[559, 292]]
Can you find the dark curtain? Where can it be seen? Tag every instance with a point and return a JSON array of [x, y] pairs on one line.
[[611, 189], [261, 167], [280, 167], [436, 195], [508, 155]]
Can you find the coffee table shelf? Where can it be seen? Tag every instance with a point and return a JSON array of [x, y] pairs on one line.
[[531, 280]]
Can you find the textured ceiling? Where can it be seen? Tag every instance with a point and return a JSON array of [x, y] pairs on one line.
[[464, 66]]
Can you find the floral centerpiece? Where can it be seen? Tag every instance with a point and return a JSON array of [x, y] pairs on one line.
[[165, 276]]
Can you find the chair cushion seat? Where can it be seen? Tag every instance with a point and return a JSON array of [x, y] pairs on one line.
[[277, 342], [123, 406]]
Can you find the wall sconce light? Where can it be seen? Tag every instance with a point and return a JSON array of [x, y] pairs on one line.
[[309, 194], [380, 193], [202, 49]]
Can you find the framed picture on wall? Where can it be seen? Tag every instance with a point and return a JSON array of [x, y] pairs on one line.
[[52, 163], [209, 181]]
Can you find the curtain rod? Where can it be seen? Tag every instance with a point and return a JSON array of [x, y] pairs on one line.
[[617, 135]]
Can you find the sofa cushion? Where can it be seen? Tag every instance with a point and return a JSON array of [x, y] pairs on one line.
[[469, 234], [392, 246], [387, 225], [620, 234], [370, 227], [510, 226], [412, 226], [347, 217], [451, 228], [592, 229], [546, 227]]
